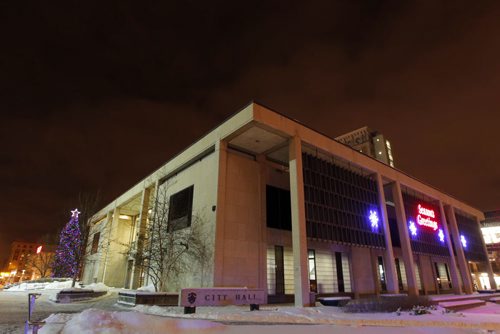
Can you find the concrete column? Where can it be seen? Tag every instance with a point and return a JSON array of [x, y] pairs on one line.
[[113, 224], [390, 265], [141, 237], [104, 248], [455, 278], [489, 270], [156, 190], [375, 271], [404, 237], [261, 159], [462, 262], [299, 238], [221, 149]]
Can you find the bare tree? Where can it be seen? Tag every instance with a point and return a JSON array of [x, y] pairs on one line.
[[173, 246], [88, 207], [41, 263]]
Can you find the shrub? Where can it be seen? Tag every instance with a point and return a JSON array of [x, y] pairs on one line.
[[386, 304]]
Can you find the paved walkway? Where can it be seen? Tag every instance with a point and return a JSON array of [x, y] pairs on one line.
[[14, 308]]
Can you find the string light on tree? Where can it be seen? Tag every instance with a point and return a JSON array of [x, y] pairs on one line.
[[67, 253]]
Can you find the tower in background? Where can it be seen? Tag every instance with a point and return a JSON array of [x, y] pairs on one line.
[[369, 142]]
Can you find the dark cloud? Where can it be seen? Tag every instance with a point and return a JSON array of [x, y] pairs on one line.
[[97, 95]]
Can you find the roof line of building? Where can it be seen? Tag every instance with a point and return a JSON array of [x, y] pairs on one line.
[[253, 101]]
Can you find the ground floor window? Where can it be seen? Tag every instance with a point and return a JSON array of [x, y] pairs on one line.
[[442, 275], [312, 271], [329, 272], [381, 274]]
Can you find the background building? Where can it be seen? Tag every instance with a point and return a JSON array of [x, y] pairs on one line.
[[29, 260], [291, 211], [491, 233], [369, 142]]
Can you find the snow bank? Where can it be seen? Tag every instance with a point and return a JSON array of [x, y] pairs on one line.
[[98, 321], [98, 287], [488, 318], [55, 285], [147, 288], [61, 285]]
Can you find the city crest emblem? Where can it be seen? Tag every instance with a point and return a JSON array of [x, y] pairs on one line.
[[191, 297]]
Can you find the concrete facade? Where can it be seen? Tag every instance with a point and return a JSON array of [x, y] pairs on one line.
[[242, 173]]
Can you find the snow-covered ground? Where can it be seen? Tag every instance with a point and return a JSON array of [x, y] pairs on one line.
[[55, 285], [272, 319], [239, 319]]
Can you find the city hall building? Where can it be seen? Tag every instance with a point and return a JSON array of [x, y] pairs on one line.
[[290, 210]]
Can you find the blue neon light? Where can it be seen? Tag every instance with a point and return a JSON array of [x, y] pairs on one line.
[[373, 217], [463, 241], [413, 228], [441, 235]]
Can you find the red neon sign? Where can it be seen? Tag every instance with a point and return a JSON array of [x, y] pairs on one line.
[[426, 217]]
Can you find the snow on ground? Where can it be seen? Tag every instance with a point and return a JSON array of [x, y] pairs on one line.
[[98, 287], [487, 317], [55, 285], [147, 288], [97, 321], [272, 319]]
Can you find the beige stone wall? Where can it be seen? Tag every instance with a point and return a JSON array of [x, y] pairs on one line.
[[362, 271], [116, 266], [427, 273], [243, 223], [94, 263], [202, 175]]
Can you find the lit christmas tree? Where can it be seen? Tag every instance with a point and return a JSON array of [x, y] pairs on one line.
[[67, 253]]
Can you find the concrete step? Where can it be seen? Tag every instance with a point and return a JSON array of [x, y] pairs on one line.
[[462, 304], [436, 299], [495, 300]]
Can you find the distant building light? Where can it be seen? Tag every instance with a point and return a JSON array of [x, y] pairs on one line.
[[379, 152]]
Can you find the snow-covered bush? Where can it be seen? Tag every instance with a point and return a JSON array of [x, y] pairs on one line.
[[385, 304]]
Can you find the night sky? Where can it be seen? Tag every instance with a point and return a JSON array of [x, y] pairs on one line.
[[95, 95]]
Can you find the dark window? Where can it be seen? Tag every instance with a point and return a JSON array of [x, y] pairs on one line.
[[338, 207], [95, 243], [278, 208], [180, 209], [469, 228]]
